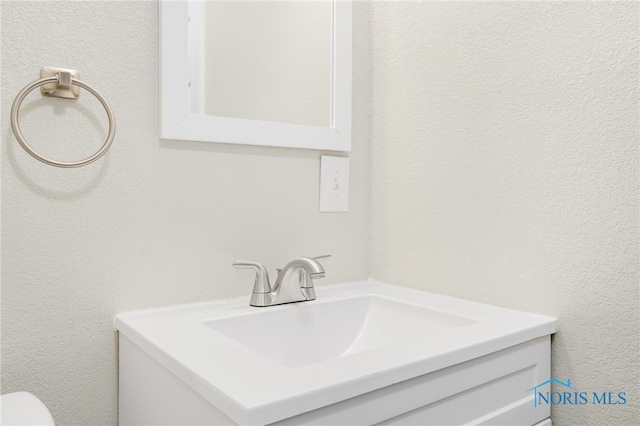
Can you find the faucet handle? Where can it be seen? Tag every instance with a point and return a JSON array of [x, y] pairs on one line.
[[321, 256], [261, 283]]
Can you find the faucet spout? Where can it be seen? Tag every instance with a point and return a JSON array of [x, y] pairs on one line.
[[301, 266], [311, 266]]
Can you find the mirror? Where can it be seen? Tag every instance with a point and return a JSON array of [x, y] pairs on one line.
[[272, 73], [256, 54]]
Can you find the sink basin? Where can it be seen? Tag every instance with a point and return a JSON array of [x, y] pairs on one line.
[[307, 333], [265, 365]]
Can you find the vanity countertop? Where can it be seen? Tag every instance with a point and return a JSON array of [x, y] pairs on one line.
[[254, 377]]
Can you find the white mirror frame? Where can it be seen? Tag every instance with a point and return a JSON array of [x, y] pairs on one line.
[[178, 123]]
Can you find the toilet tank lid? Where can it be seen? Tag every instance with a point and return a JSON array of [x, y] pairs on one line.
[[23, 408]]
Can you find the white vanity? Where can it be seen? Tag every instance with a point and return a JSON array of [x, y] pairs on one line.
[[362, 353]]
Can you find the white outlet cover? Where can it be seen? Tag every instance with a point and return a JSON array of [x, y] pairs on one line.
[[334, 184]]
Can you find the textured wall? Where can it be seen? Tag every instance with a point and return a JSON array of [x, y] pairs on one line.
[[154, 222], [505, 170]]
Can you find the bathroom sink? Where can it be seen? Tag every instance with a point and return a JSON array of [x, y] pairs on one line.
[[259, 365], [306, 333]]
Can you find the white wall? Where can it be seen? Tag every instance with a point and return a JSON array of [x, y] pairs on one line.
[[154, 222], [505, 170]]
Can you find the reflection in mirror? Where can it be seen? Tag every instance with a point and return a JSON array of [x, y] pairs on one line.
[[262, 60]]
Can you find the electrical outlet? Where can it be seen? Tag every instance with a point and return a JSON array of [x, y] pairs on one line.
[[334, 184]]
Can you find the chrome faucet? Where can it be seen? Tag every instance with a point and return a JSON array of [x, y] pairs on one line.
[[294, 282]]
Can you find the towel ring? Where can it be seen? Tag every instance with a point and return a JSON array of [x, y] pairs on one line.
[[63, 80]]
